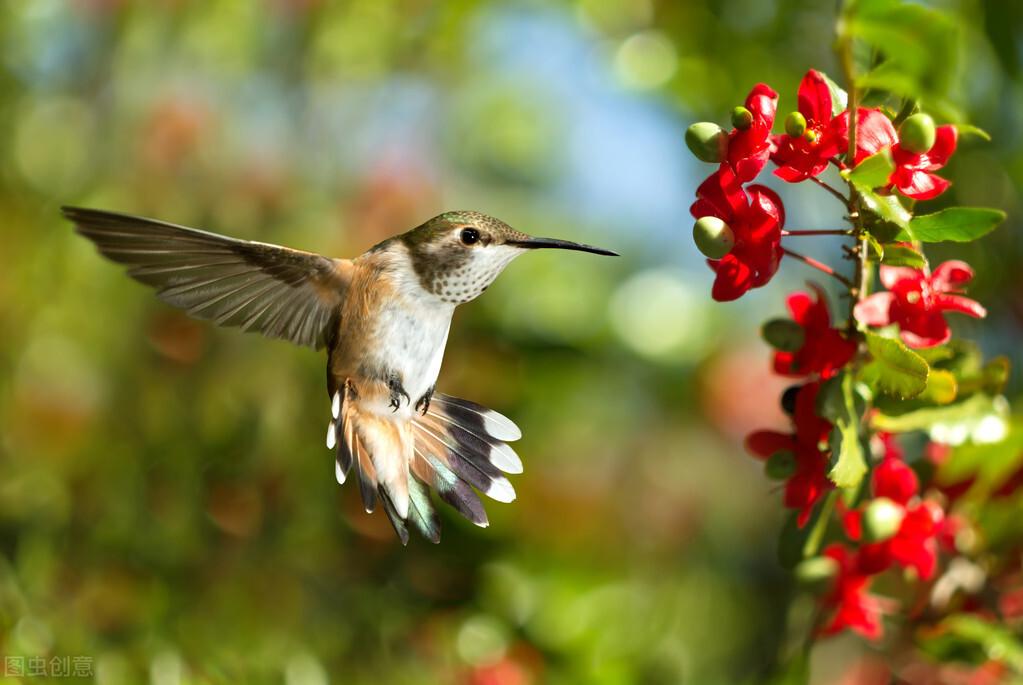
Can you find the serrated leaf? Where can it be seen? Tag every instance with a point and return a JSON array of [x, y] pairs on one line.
[[848, 461], [955, 224], [970, 130], [903, 255], [872, 172], [885, 207], [894, 369]]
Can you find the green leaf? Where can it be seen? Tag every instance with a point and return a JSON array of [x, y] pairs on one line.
[[956, 224], [849, 464], [895, 369], [839, 98], [885, 207], [795, 543], [876, 248], [918, 47], [872, 172], [990, 637], [942, 387], [970, 130], [902, 255], [980, 419]]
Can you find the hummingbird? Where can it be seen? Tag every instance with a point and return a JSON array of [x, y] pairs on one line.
[[383, 318]]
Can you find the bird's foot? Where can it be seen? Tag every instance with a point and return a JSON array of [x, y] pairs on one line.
[[397, 392], [423, 405]]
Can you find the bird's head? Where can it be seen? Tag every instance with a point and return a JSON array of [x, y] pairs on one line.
[[457, 255]]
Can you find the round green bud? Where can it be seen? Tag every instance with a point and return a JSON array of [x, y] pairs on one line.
[[780, 465], [810, 136], [707, 141], [816, 572], [882, 519], [783, 334], [795, 124], [742, 118], [714, 238], [917, 133]]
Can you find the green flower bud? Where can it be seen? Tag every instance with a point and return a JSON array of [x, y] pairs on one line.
[[795, 124], [780, 465], [707, 141], [917, 133], [783, 334], [816, 572], [713, 237], [742, 118], [882, 519], [810, 136]]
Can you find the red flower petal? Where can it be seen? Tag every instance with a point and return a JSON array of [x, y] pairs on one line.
[[951, 274], [734, 279], [896, 481], [799, 304], [874, 310], [917, 184], [815, 98], [890, 275], [874, 132], [958, 303], [928, 330], [763, 444], [944, 145]]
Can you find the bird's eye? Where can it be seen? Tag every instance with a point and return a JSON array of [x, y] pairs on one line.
[[469, 236]]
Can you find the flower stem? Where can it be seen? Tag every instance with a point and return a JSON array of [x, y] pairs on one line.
[[820, 266], [861, 276], [831, 189], [831, 231]]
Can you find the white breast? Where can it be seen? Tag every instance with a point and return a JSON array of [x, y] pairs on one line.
[[411, 334]]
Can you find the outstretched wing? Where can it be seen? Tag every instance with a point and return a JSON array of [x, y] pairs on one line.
[[277, 291]]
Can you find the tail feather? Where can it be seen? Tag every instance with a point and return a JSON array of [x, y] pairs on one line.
[[421, 512], [366, 472], [456, 447], [450, 487]]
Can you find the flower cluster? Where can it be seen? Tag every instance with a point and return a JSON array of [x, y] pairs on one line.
[[860, 508], [895, 527], [740, 228]]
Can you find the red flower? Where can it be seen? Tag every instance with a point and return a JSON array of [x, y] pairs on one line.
[[827, 135], [850, 604], [913, 172], [916, 299], [825, 350], [809, 483], [756, 220], [915, 544], [750, 148]]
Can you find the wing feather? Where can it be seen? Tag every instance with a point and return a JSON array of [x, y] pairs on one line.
[[277, 291]]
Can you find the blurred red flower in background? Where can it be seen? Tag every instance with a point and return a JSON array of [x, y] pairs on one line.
[[809, 481], [849, 603]]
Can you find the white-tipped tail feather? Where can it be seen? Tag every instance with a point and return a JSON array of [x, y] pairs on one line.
[[457, 448]]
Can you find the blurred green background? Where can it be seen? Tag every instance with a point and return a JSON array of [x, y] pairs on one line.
[[167, 506]]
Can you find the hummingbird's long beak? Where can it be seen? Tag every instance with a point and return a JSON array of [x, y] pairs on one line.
[[537, 243]]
